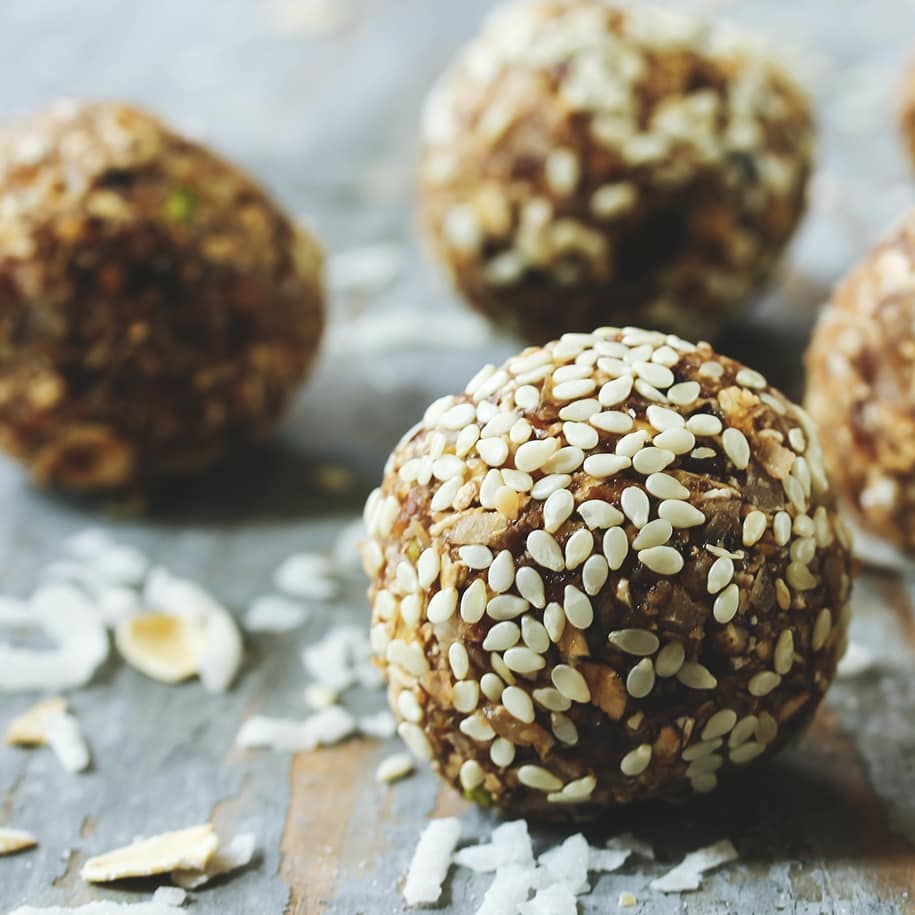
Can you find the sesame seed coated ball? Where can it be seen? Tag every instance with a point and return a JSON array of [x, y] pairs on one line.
[[586, 163], [861, 385], [609, 570], [156, 307]]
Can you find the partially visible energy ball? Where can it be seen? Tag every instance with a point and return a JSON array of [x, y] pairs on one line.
[[610, 570], [587, 164], [861, 387], [907, 111], [156, 307]]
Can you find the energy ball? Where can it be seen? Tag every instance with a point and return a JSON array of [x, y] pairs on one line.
[[156, 307], [610, 570], [586, 164], [861, 387]]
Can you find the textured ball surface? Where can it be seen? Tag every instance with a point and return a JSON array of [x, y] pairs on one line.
[[608, 571], [587, 164], [861, 387], [157, 307]]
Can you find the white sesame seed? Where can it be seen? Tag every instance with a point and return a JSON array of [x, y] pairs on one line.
[[663, 419], [473, 601], [522, 660], [796, 439], [411, 610], [546, 486], [506, 607], [574, 389], [554, 619], [783, 657], [803, 526], [678, 441], [580, 410], [636, 761], [428, 566], [696, 676], [442, 605], [552, 699], [417, 742], [639, 642], [720, 574], [538, 778], [499, 425], [447, 467], [800, 577], [821, 629], [631, 444], [594, 574], [655, 533], [766, 728], [533, 455], [704, 424], [545, 551], [635, 506], [565, 460], [581, 435], [465, 695], [652, 460], [561, 170], [666, 355], [616, 547], [578, 548], [491, 686], [781, 528], [529, 583], [664, 486], [527, 397], [605, 465], [658, 376], [493, 451], [612, 421], [476, 727], [648, 391], [406, 576], [501, 575], [489, 489], [749, 378], [534, 634], [570, 372], [484, 374], [703, 454], [663, 560], [517, 479], [507, 502], [803, 549], [475, 556], [743, 731], [502, 752], [747, 752], [615, 391], [612, 200], [719, 724], [754, 526], [407, 655], [389, 509], [577, 607], [518, 703], [670, 659], [763, 683], [704, 783], [640, 681], [684, 393], [701, 750], [726, 604], [711, 369], [564, 729], [680, 514], [408, 707], [736, 447], [458, 416], [599, 514], [459, 660], [570, 683], [471, 774]]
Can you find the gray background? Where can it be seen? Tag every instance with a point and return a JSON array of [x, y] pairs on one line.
[[328, 121]]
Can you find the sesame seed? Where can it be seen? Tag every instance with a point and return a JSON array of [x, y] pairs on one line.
[[669, 660], [711, 369], [803, 549], [796, 439], [489, 489], [499, 425], [517, 479], [704, 783], [502, 752], [554, 619], [710, 763], [612, 200], [680, 514], [766, 728], [473, 601], [459, 660], [534, 634], [743, 731], [574, 389], [506, 607], [570, 683], [736, 447], [529, 583], [678, 441], [719, 724], [616, 391], [493, 451], [747, 752], [475, 556], [471, 774], [408, 707], [726, 604], [612, 421], [616, 547], [546, 486], [565, 460], [483, 375], [579, 410], [538, 778], [754, 526], [663, 560], [442, 605], [492, 685], [552, 699], [411, 610], [407, 655], [652, 460], [389, 509], [527, 397], [428, 566], [630, 444], [578, 548], [522, 660], [666, 355], [502, 636], [501, 575], [499, 667], [658, 376], [803, 526], [581, 435], [701, 749], [703, 454], [696, 676], [465, 695], [577, 607], [749, 378], [639, 642], [655, 533], [636, 761], [476, 727], [458, 416], [763, 683], [663, 419], [570, 372], [640, 681], [545, 551], [800, 577], [605, 465], [720, 574], [594, 574], [781, 528], [417, 742], [795, 492], [782, 594], [561, 170], [664, 486], [821, 629], [599, 514], [518, 703], [648, 391], [447, 467], [533, 455], [406, 576], [784, 652], [635, 506], [704, 424], [684, 393]]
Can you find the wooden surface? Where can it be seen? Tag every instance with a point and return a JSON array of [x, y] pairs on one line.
[[329, 123]]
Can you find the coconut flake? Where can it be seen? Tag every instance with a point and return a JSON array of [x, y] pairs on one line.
[[15, 612], [509, 889], [337, 660], [307, 575], [104, 908], [170, 895], [510, 844], [365, 270], [162, 646], [65, 737], [318, 696], [617, 851], [15, 840], [186, 849], [230, 857], [687, 875], [394, 767], [566, 864], [275, 613], [857, 661], [431, 861], [30, 729], [381, 725], [119, 564], [326, 727], [557, 899]]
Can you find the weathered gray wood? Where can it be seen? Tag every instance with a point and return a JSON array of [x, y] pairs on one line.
[[329, 123]]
